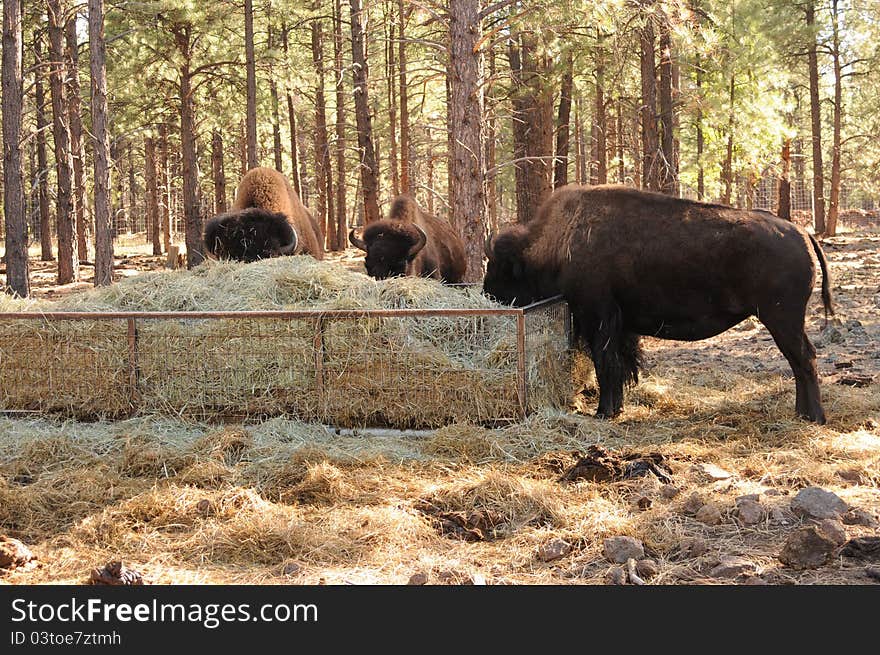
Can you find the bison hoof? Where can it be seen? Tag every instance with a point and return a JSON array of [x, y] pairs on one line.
[[608, 415], [817, 418]]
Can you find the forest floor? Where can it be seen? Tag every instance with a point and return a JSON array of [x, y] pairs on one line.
[[711, 426]]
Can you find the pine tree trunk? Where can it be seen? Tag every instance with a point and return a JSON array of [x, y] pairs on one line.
[[42, 163], [242, 147], [701, 176], [391, 87], [560, 173], [217, 172], [727, 168], [834, 196], [667, 118], [68, 261], [152, 193], [250, 64], [277, 150], [164, 184], [601, 124], [191, 202], [816, 128], [491, 155], [76, 138], [403, 10], [619, 135], [101, 145], [465, 162], [368, 168], [291, 119], [650, 139], [15, 218], [341, 201], [578, 144], [783, 192], [323, 174]]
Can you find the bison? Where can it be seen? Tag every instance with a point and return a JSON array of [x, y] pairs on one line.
[[411, 242], [267, 220], [634, 263]]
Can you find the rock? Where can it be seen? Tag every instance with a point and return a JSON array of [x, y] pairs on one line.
[[774, 492], [807, 548], [781, 516], [13, 553], [616, 575], [853, 475], [816, 503], [620, 549], [418, 579], [291, 568], [749, 511], [693, 503], [647, 568], [553, 550], [754, 580], [732, 566], [833, 529], [204, 507], [828, 336], [755, 498], [873, 571], [709, 514], [858, 516], [692, 547], [669, 491], [454, 578], [644, 503], [715, 472], [862, 548]]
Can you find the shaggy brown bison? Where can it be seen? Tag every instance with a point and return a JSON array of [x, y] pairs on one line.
[[411, 242], [267, 220], [633, 263]]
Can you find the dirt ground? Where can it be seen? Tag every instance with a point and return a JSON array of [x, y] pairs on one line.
[[284, 502]]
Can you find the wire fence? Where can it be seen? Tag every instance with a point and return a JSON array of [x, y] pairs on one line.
[[395, 368]]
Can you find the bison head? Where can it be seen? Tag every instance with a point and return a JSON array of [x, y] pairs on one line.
[[507, 277], [391, 246], [250, 234]]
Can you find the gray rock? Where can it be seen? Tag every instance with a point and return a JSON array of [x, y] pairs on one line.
[[692, 547], [709, 514], [858, 516], [833, 529], [693, 503], [669, 491], [714, 472], [647, 568], [755, 580], [553, 550], [750, 512], [418, 579], [732, 566], [753, 497], [616, 575], [873, 571], [620, 549], [816, 503], [781, 516], [829, 336], [807, 548]]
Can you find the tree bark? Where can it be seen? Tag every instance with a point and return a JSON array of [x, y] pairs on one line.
[[164, 184], [391, 87], [834, 196], [667, 116], [341, 201], [783, 192], [816, 128], [560, 173], [250, 65], [152, 193], [368, 168], [491, 155], [291, 119], [701, 175], [15, 218], [242, 147], [101, 145], [727, 168], [42, 163], [217, 173], [76, 138], [403, 10], [191, 202], [323, 174], [68, 261], [466, 193], [619, 135], [277, 150], [601, 124], [650, 140]]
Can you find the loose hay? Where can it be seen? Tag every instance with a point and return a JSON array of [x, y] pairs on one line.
[[404, 372]]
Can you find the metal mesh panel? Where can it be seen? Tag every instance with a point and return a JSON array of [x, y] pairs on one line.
[[397, 368]]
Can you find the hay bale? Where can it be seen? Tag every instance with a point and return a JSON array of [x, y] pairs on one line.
[[405, 372]]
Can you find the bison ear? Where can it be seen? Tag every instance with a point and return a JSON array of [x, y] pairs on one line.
[[356, 242]]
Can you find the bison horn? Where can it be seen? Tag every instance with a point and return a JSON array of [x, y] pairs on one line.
[[423, 239], [290, 248], [356, 242], [488, 245]]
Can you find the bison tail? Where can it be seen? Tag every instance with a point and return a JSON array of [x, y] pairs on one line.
[[826, 278]]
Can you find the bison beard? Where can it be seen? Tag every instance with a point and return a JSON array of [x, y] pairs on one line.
[[634, 263], [267, 220], [411, 242]]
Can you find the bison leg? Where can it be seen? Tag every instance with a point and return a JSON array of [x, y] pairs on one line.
[[792, 340], [614, 354]]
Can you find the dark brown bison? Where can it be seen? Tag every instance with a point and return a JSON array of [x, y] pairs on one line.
[[411, 242], [267, 220], [634, 263]]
